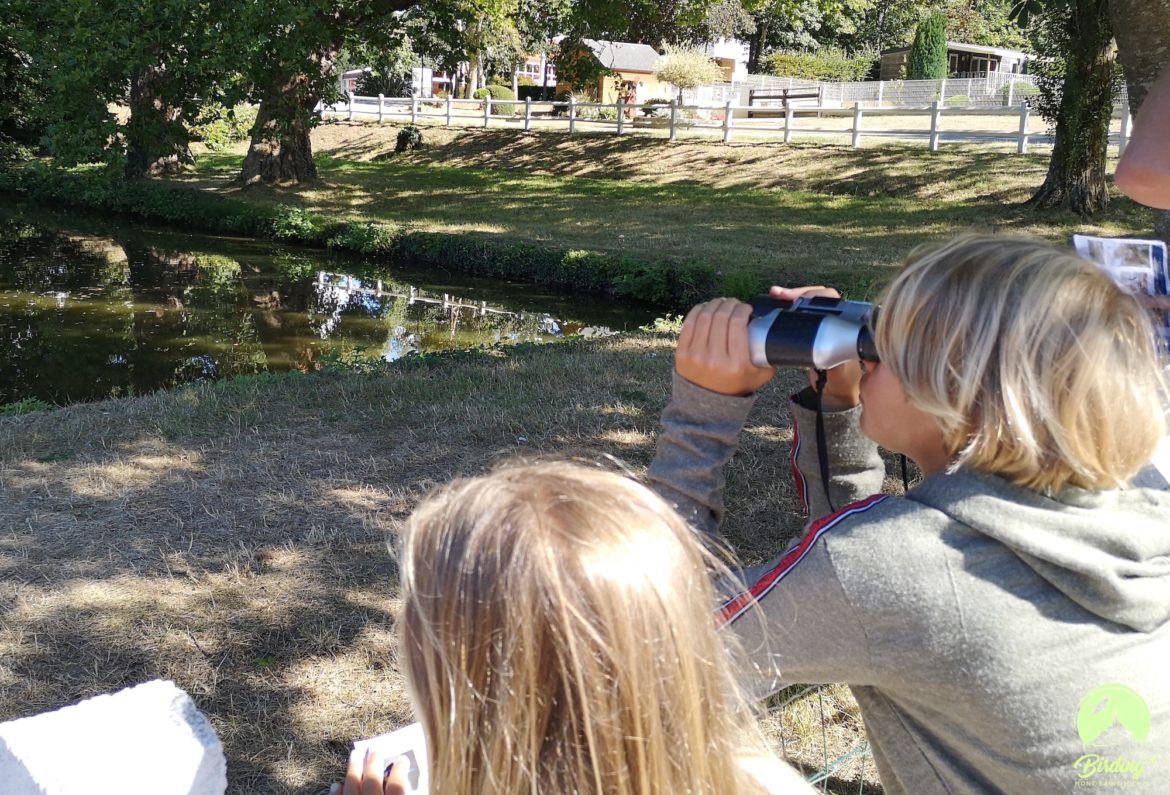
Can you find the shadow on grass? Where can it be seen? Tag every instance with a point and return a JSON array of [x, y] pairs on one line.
[[840, 217], [232, 537]]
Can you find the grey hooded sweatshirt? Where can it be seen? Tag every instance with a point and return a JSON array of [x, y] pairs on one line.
[[996, 640]]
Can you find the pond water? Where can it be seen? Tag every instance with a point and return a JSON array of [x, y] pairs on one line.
[[91, 308]]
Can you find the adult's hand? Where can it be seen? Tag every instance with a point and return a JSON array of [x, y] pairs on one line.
[[843, 383], [371, 777], [713, 349]]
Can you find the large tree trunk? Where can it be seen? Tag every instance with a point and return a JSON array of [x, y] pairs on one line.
[[1076, 171], [156, 140], [1142, 28], [281, 150]]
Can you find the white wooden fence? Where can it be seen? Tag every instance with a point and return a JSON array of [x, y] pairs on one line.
[[725, 120]]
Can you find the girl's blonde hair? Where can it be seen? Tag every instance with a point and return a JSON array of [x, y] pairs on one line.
[[559, 634], [1037, 367]]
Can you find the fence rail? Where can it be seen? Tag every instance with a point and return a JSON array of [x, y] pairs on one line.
[[725, 120]]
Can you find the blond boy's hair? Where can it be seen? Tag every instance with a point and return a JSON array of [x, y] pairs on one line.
[[1037, 367], [559, 634]]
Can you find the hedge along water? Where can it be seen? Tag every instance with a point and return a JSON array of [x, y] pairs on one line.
[[90, 309]]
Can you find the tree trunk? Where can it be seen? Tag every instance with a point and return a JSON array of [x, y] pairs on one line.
[[1142, 28], [1076, 171], [156, 140], [281, 150]]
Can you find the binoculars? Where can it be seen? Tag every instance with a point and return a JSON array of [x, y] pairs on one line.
[[819, 332]]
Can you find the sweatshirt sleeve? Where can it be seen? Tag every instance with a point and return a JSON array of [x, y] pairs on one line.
[[700, 433], [795, 623], [856, 470]]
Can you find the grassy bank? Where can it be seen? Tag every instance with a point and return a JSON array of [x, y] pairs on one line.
[[232, 536], [638, 218]]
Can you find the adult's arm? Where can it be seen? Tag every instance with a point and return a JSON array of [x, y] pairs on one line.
[[1143, 173]]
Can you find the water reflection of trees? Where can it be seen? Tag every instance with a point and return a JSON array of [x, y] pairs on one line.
[[90, 316]]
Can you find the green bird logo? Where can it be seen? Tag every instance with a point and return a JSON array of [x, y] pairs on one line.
[[1105, 705]]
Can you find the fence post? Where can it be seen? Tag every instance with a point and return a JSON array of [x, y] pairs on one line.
[[856, 124], [727, 122], [673, 119], [448, 110], [1011, 95], [527, 113], [381, 108], [621, 107], [787, 123], [413, 108], [1022, 142], [349, 101], [935, 113], [1123, 141], [572, 114], [942, 90], [487, 109], [881, 90]]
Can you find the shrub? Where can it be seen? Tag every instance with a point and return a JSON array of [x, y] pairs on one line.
[[409, 137], [928, 54], [827, 63], [294, 225], [366, 238], [497, 93], [743, 286], [219, 127]]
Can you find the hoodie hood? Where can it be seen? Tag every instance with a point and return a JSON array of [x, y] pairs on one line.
[[1107, 551]]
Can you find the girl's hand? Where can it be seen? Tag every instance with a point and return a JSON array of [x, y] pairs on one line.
[[372, 777], [843, 384], [713, 349]]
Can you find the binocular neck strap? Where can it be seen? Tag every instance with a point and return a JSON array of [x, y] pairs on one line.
[[822, 443]]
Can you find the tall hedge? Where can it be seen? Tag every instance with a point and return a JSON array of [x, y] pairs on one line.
[[928, 54], [827, 63]]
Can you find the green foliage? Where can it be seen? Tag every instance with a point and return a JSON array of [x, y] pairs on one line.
[[741, 285], [827, 63], [577, 66], [958, 101], [671, 324], [928, 54], [25, 406], [497, 93], [219, 127], [687, 67], [371, 238], [409, 137], [295, 225]]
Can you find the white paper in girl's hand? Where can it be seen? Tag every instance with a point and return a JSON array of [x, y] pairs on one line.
[[409, 742]]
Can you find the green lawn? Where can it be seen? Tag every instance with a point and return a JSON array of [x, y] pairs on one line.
[[787, 224]]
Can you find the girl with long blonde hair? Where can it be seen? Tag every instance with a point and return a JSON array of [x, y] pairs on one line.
[[559, 635]]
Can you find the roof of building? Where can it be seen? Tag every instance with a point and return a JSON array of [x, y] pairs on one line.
[[975, 48], [624, 56]]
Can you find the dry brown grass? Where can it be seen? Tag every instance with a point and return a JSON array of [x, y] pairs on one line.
[[232, 537]]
